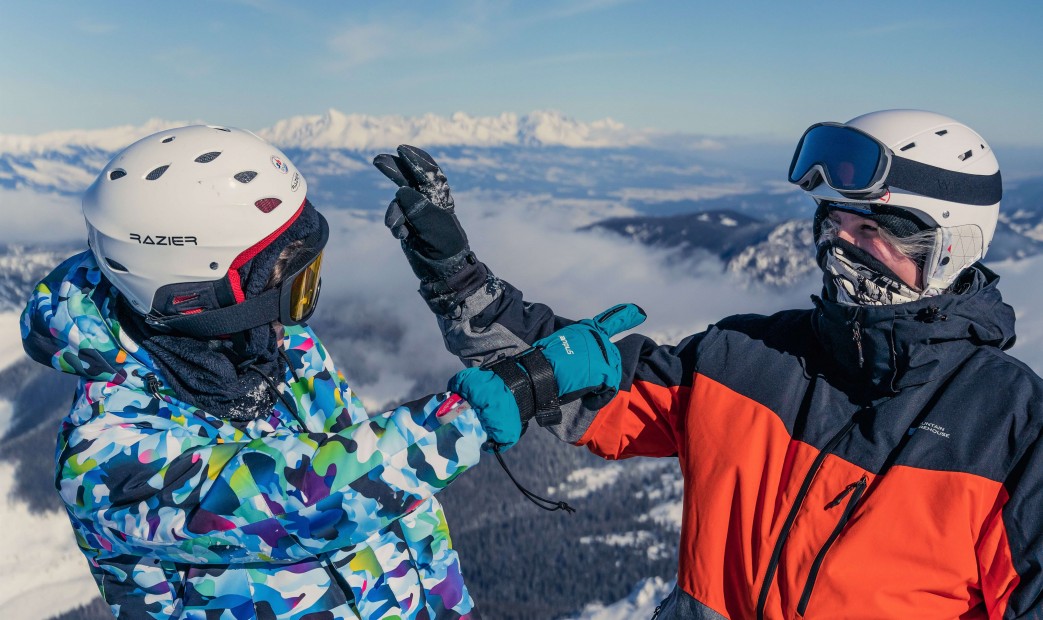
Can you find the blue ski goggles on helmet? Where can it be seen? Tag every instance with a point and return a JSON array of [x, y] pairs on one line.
[[858, 166], [846, 159]]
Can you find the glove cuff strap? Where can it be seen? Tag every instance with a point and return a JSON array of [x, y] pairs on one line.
[[544, 386], [535, 389], [518, 383]]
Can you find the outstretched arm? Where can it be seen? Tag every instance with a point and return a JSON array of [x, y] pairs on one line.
[[188, 490], [484, 319]]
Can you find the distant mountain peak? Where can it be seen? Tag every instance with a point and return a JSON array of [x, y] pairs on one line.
[[334, 129], [360, 132]]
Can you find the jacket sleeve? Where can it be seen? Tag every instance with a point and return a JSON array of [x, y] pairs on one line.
[[174, 490], [1010, 551], [642, 420]]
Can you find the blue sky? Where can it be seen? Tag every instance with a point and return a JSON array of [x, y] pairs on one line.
[[756, 68]]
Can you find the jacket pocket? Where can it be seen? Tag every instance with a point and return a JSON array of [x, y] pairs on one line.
[[852, 493]]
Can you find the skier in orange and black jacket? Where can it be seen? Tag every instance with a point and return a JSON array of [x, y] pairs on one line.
[[877, 456]]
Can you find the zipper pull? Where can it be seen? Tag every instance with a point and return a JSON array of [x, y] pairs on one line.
[[859, 484], [152, 383]]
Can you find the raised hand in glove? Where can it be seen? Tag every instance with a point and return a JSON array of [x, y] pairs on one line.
[[422, 216], [576, 362], [413, 167]]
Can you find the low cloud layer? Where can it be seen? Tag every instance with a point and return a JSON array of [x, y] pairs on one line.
[[31, 217], [537, 250]]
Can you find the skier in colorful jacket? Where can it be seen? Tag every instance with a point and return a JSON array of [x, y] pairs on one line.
[[215, 464], [877, 456]]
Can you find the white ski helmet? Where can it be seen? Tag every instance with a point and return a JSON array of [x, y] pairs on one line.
[[908, 162], [186, 206]]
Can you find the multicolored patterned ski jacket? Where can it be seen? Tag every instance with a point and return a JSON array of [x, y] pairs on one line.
[[325, 512]]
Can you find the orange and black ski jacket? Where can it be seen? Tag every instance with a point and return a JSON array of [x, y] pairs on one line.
[[838, 462]]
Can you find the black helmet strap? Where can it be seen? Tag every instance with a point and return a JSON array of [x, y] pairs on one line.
[[250, 313]]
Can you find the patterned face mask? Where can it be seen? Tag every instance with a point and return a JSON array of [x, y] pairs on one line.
[[857, 284]]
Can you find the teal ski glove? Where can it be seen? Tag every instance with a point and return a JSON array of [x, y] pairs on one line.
[[577, 361]]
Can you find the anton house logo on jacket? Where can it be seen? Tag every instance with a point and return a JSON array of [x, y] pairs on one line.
[[931, 427]]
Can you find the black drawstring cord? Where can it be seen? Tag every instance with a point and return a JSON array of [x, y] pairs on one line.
[[542, 502], [286, 400], [289, 364]]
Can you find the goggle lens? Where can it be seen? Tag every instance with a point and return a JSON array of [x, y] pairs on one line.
[[849, 159], [304, 291]]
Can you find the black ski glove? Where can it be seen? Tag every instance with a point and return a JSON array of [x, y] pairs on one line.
[[415, 168], [422, 216]]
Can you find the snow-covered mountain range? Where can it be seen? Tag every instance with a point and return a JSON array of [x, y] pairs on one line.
[[359, 132], [579, 215]]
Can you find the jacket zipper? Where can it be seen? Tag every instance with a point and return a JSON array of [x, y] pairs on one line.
[[349, 594], [776, 553], [856, 489]]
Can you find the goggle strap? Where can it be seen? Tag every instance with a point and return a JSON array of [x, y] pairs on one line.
[[252, 312], [941, 184]]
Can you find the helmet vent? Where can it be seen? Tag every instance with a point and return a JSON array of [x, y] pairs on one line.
[[222, 129], [267, 205], [965, 156], [116, 266], [942, 132], [155, 174], [245, 176], [206, 158], [907, 146], [168, 139], [118, 173]]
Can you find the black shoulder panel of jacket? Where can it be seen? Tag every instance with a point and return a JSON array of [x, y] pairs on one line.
[[663, 365], [764, 358]]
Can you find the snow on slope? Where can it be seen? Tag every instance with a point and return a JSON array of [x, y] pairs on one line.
[[6, 415], [640, 603], [10, 352], [587, 480], [1019, 283], [10, 340], [44, 572]]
